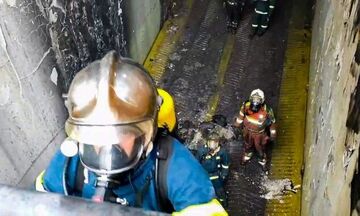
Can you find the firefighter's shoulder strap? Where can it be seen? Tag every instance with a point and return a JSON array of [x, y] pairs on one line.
[[79, 178], [163, 155]]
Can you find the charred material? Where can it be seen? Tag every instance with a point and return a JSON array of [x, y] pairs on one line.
[[83, 31], [167, 9], [353, 120]]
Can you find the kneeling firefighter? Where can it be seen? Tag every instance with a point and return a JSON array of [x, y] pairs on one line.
[[215, 160], [112, 152]]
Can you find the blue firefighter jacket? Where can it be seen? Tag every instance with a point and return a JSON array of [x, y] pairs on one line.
[[187, 182], [216, 165]]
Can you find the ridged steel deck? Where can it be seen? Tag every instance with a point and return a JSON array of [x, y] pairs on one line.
[[209, 71]]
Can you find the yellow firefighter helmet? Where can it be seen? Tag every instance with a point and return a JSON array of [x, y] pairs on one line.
[[166, 116]]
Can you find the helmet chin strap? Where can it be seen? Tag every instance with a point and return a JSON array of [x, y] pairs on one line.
[[104, 189]]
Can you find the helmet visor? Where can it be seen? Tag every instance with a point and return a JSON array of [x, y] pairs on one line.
[[111, 158], [106, 134], [255, 103]]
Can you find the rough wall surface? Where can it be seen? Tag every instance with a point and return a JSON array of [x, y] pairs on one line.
[[83, 31], [43, 43], [31, 111], [331, 149]]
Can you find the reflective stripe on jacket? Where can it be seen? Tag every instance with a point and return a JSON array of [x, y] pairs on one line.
[[188, 183]]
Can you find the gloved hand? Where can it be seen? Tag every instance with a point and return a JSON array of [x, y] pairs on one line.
[[237, 131], [272, 132], [235, 123], [272, 135]]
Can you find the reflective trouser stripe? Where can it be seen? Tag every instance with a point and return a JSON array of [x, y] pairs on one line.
[[272, 6], [261, 12], [39, 182], [239, 121], [254, 25], [212, 208], [214, 177], [225, 167], [263, 26]]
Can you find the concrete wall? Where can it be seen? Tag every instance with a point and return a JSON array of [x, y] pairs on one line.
[[41, 50], [143, 18], [31, 109], [83, 31], [331, 149]]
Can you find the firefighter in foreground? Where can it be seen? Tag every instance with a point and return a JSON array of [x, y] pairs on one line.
[[215, 160], [233, 10], [113, 151], [258, 126], [263, 12]]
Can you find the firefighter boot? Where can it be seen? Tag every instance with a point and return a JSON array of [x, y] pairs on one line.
[[234, 26], [246, 157], [261, 32], [228, 26], [262, 160]]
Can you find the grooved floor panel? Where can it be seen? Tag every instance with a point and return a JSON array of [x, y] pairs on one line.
[[209, 71], [287, 157]]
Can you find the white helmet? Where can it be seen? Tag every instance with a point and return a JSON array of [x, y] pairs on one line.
[[258, 93], [257, 98]]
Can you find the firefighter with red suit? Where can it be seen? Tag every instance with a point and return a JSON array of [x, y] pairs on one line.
[[257, 122]]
